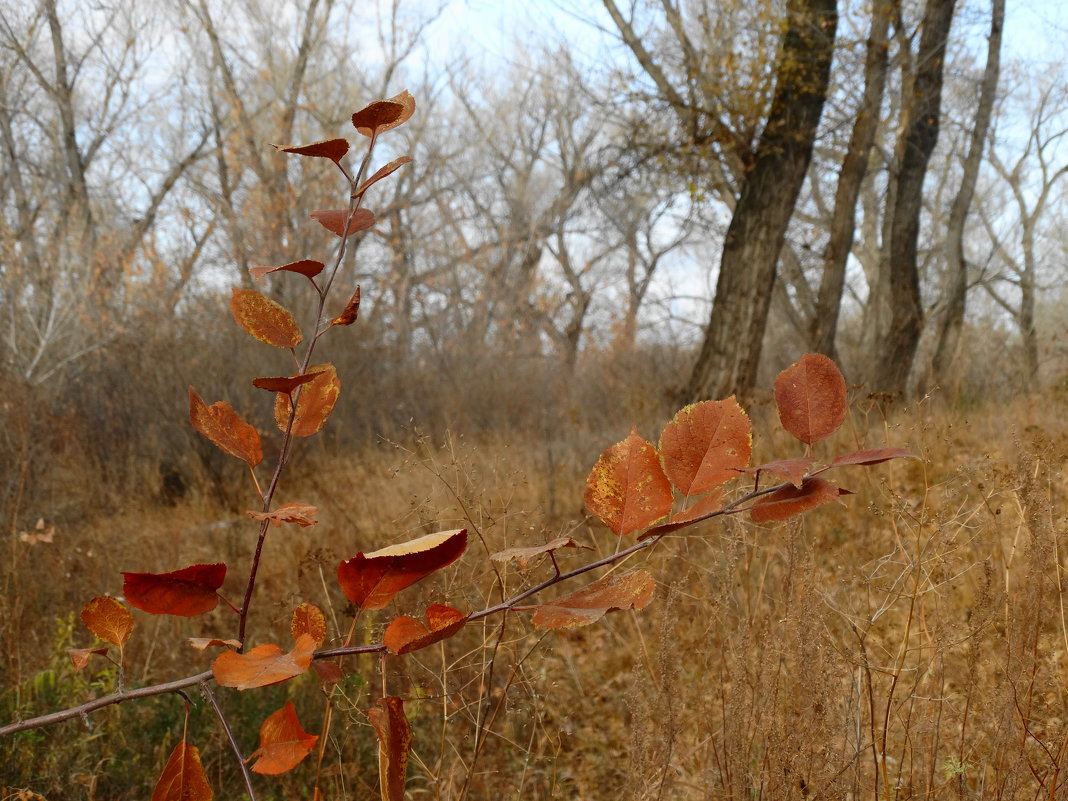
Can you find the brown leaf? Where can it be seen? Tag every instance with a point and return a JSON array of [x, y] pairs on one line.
[[264, 319], [389, 169], [183, 777], [371, 580], [223, 426], [306, 267], [633, 590], [706, 506], [627, 487], [309, 619], [352, 309], [524, 555], [284, 384], [263, 665], [792, 470], [283, 743], [811, 396], [108, 619], [329, 672], [790, 501], [705, 445], [383, 115], [405, 634], [300, 513], [333, 149], [334, 220], [394, 746], [79, 657], [872, 456], [187, 592], [314, 405], [203, 643]]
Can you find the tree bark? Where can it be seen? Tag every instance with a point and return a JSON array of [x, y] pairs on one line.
[[920, 132], [729, 356]]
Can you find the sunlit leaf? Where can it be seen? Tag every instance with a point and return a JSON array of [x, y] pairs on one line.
[[524, 555], [183, 777], [811, 396], [263, 665], [223, 426], [306, 267], [300, 513], [385, 171], [108, 619], [371, 580], [405, 634], [316, 402], [284, 384], [351, 311], [383, 115], [792, 470], [334, 220], [627, 487], [394, 746], [185, 593], [309, 619], [264, 319], [705, 445], [333, 149], [633, 590], [789, 501], [283, 743]]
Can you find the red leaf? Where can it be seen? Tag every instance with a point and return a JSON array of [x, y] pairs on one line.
[[873, 456], [284, 384], [314, 405], [185, 593], [370, 581], [633, 590], [705, 445], [792, 470], [300, 513], [334, 220], [389, 169], [183, 777], [333, 149], [407, 634], [264, 319], [108, 619], [627, 487], [309, 619], [263, 665], [222, 425], [383, 115], [306, 267], [524, 555], [283, 743], [348, 316], [394, 746], [790, 501], [79, 657], [811, 396]]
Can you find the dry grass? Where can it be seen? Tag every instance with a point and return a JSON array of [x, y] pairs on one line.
[[909, 644]]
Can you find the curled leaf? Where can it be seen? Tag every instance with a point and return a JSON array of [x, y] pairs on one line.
[[383, 115], [283, 743], [264, 319], [284, 384], [334, 220], [316, 402], [352, 309], [300, 513], [394, 746], [333, 149], [872, 456], [789, 501], [705, 445], [627, 487], [792, 470], [203, 643], [108, 619], [706, 506], [79, 657], [263, 665], [185, 593], [405, 634], [811, 396], [524, 555], [223, 426], [633, 590]]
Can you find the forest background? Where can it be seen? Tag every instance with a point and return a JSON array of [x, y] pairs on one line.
[[613, 209]]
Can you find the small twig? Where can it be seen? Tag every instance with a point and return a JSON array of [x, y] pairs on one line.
[[206, 689]]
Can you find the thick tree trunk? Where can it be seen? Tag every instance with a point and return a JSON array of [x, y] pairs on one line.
[[920, 133], [729, 356], [956, 293], [823, 326]]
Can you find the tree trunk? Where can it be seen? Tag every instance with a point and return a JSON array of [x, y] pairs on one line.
[[729, 356], [920, 133], [956, 294]]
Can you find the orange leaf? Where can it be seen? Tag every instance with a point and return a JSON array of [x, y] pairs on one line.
[[314, 405], [284, 384], [811, 396], [79, 657], [300, 513], [203, 643], [108, 619], [371, 580], [264, 319], [383, 115], [870, 457], [792, 470], [524, 555], [352, 309], [283, 743], [223, 426], [183, 777], [705, 445], [389, 169], [263, 665], [633, 590], [306, 267], [334, 220], [309, 619], [627, 487], [790, 501], [333, 149], [406, 634], [394, 746], [185, 593]]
